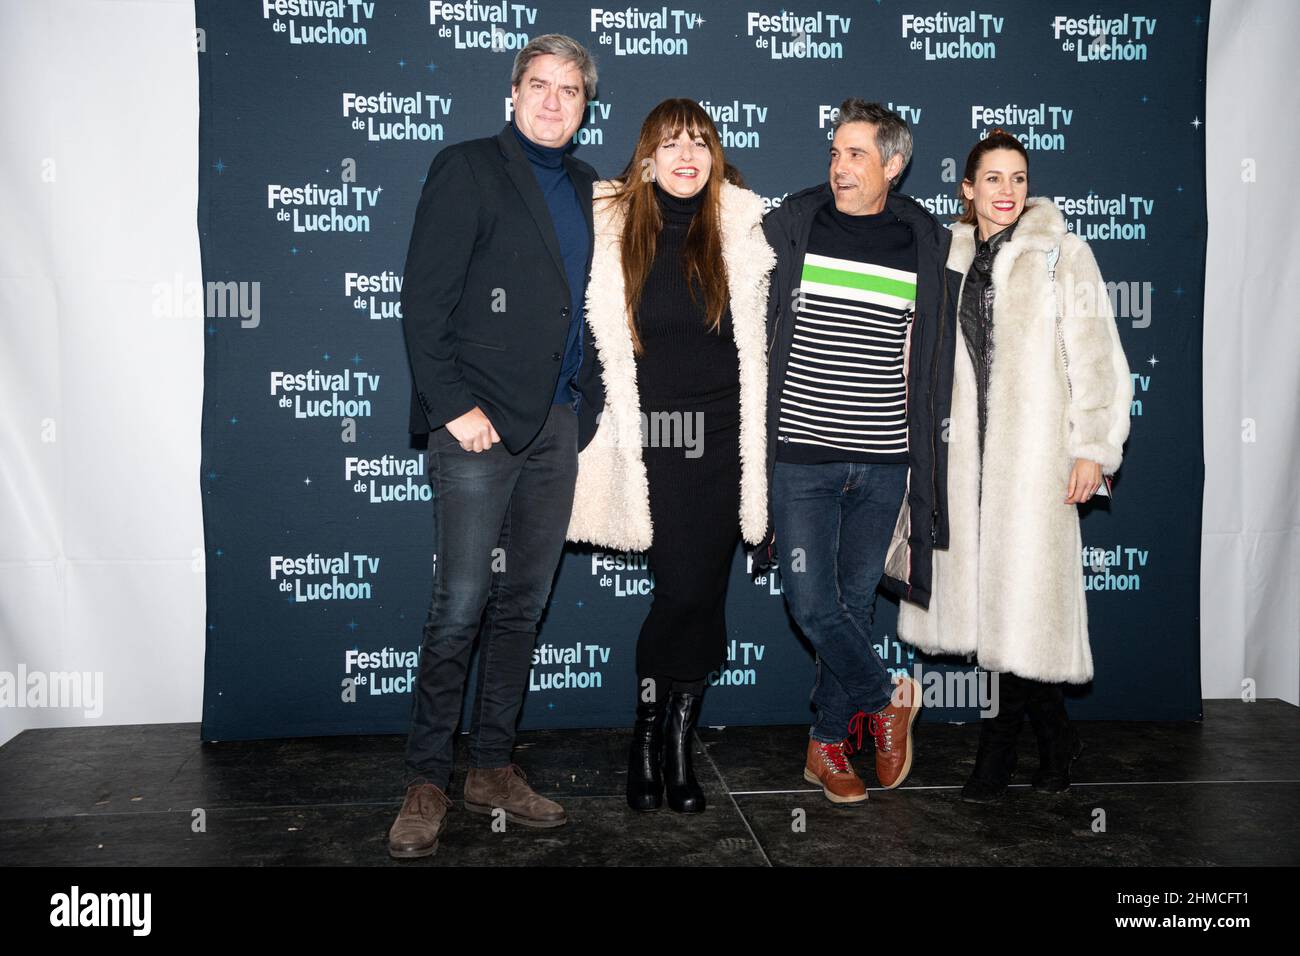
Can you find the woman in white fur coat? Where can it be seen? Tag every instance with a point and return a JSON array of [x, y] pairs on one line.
[[1040, 413], [676, 307]]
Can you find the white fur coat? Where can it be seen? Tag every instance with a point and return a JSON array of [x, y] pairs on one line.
[[1009, 589], [611, 505]]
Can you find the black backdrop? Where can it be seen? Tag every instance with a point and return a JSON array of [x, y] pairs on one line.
[[318, 121]]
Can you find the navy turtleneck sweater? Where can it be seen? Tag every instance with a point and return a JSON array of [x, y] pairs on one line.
[[570, 224], [684, 365]]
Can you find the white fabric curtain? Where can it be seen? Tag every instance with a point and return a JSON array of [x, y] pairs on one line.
[[101, 529], [1250, 546]]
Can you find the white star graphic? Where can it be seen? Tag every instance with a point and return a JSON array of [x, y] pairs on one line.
[[1153, 361], [1196, 122]]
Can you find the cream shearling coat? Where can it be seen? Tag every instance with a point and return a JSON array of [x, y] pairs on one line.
[[1009, 589], [611, 504]]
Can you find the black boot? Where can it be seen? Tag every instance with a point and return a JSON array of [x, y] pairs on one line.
[[645, 780], [1058, 742], [684, 793], [995, 761]]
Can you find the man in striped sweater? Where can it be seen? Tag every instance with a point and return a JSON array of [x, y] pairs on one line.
[[861, 326]]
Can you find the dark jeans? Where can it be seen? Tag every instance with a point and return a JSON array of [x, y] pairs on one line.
[[836, 521], [499, 525]]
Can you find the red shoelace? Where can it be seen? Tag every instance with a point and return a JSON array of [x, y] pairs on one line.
[[881, 727], [833, 755], [855, 727]]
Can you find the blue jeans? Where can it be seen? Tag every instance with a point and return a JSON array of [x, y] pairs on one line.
[[835, 521], [499, 523]]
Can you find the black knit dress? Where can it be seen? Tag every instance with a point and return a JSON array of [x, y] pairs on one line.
[[689, 384]]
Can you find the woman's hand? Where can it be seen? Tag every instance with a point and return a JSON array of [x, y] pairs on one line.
[[1085, 478]]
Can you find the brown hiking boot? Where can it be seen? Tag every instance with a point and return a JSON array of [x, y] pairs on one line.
[[507, 788], [828, 765], [415, 831], [892, 730]]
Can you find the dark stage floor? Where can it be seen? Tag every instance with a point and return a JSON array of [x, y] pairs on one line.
[[1224, 792]]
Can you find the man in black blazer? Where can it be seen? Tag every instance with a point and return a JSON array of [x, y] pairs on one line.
[[492, 302]]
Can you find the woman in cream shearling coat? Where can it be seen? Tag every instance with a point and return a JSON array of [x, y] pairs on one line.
[[1009, 588], [676, 307], [611, 506]]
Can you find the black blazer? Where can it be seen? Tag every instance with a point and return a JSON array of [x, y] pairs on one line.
[[485, 302]]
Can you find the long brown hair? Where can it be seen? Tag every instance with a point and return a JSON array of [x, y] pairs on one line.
[[997, 139], [702, 255]]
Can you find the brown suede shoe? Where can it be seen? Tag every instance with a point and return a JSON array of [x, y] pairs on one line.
[[892, 730], [415, 831], [828, 765], [507, 788]]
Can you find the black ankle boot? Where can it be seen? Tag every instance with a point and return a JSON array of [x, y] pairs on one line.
[[645, 780], [1058, 742], [684, 793], [995, 761]]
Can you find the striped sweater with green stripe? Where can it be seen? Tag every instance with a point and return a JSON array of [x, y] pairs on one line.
[[844, 397]]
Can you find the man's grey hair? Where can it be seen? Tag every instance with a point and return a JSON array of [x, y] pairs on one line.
[[566, 48], [893, 138]]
